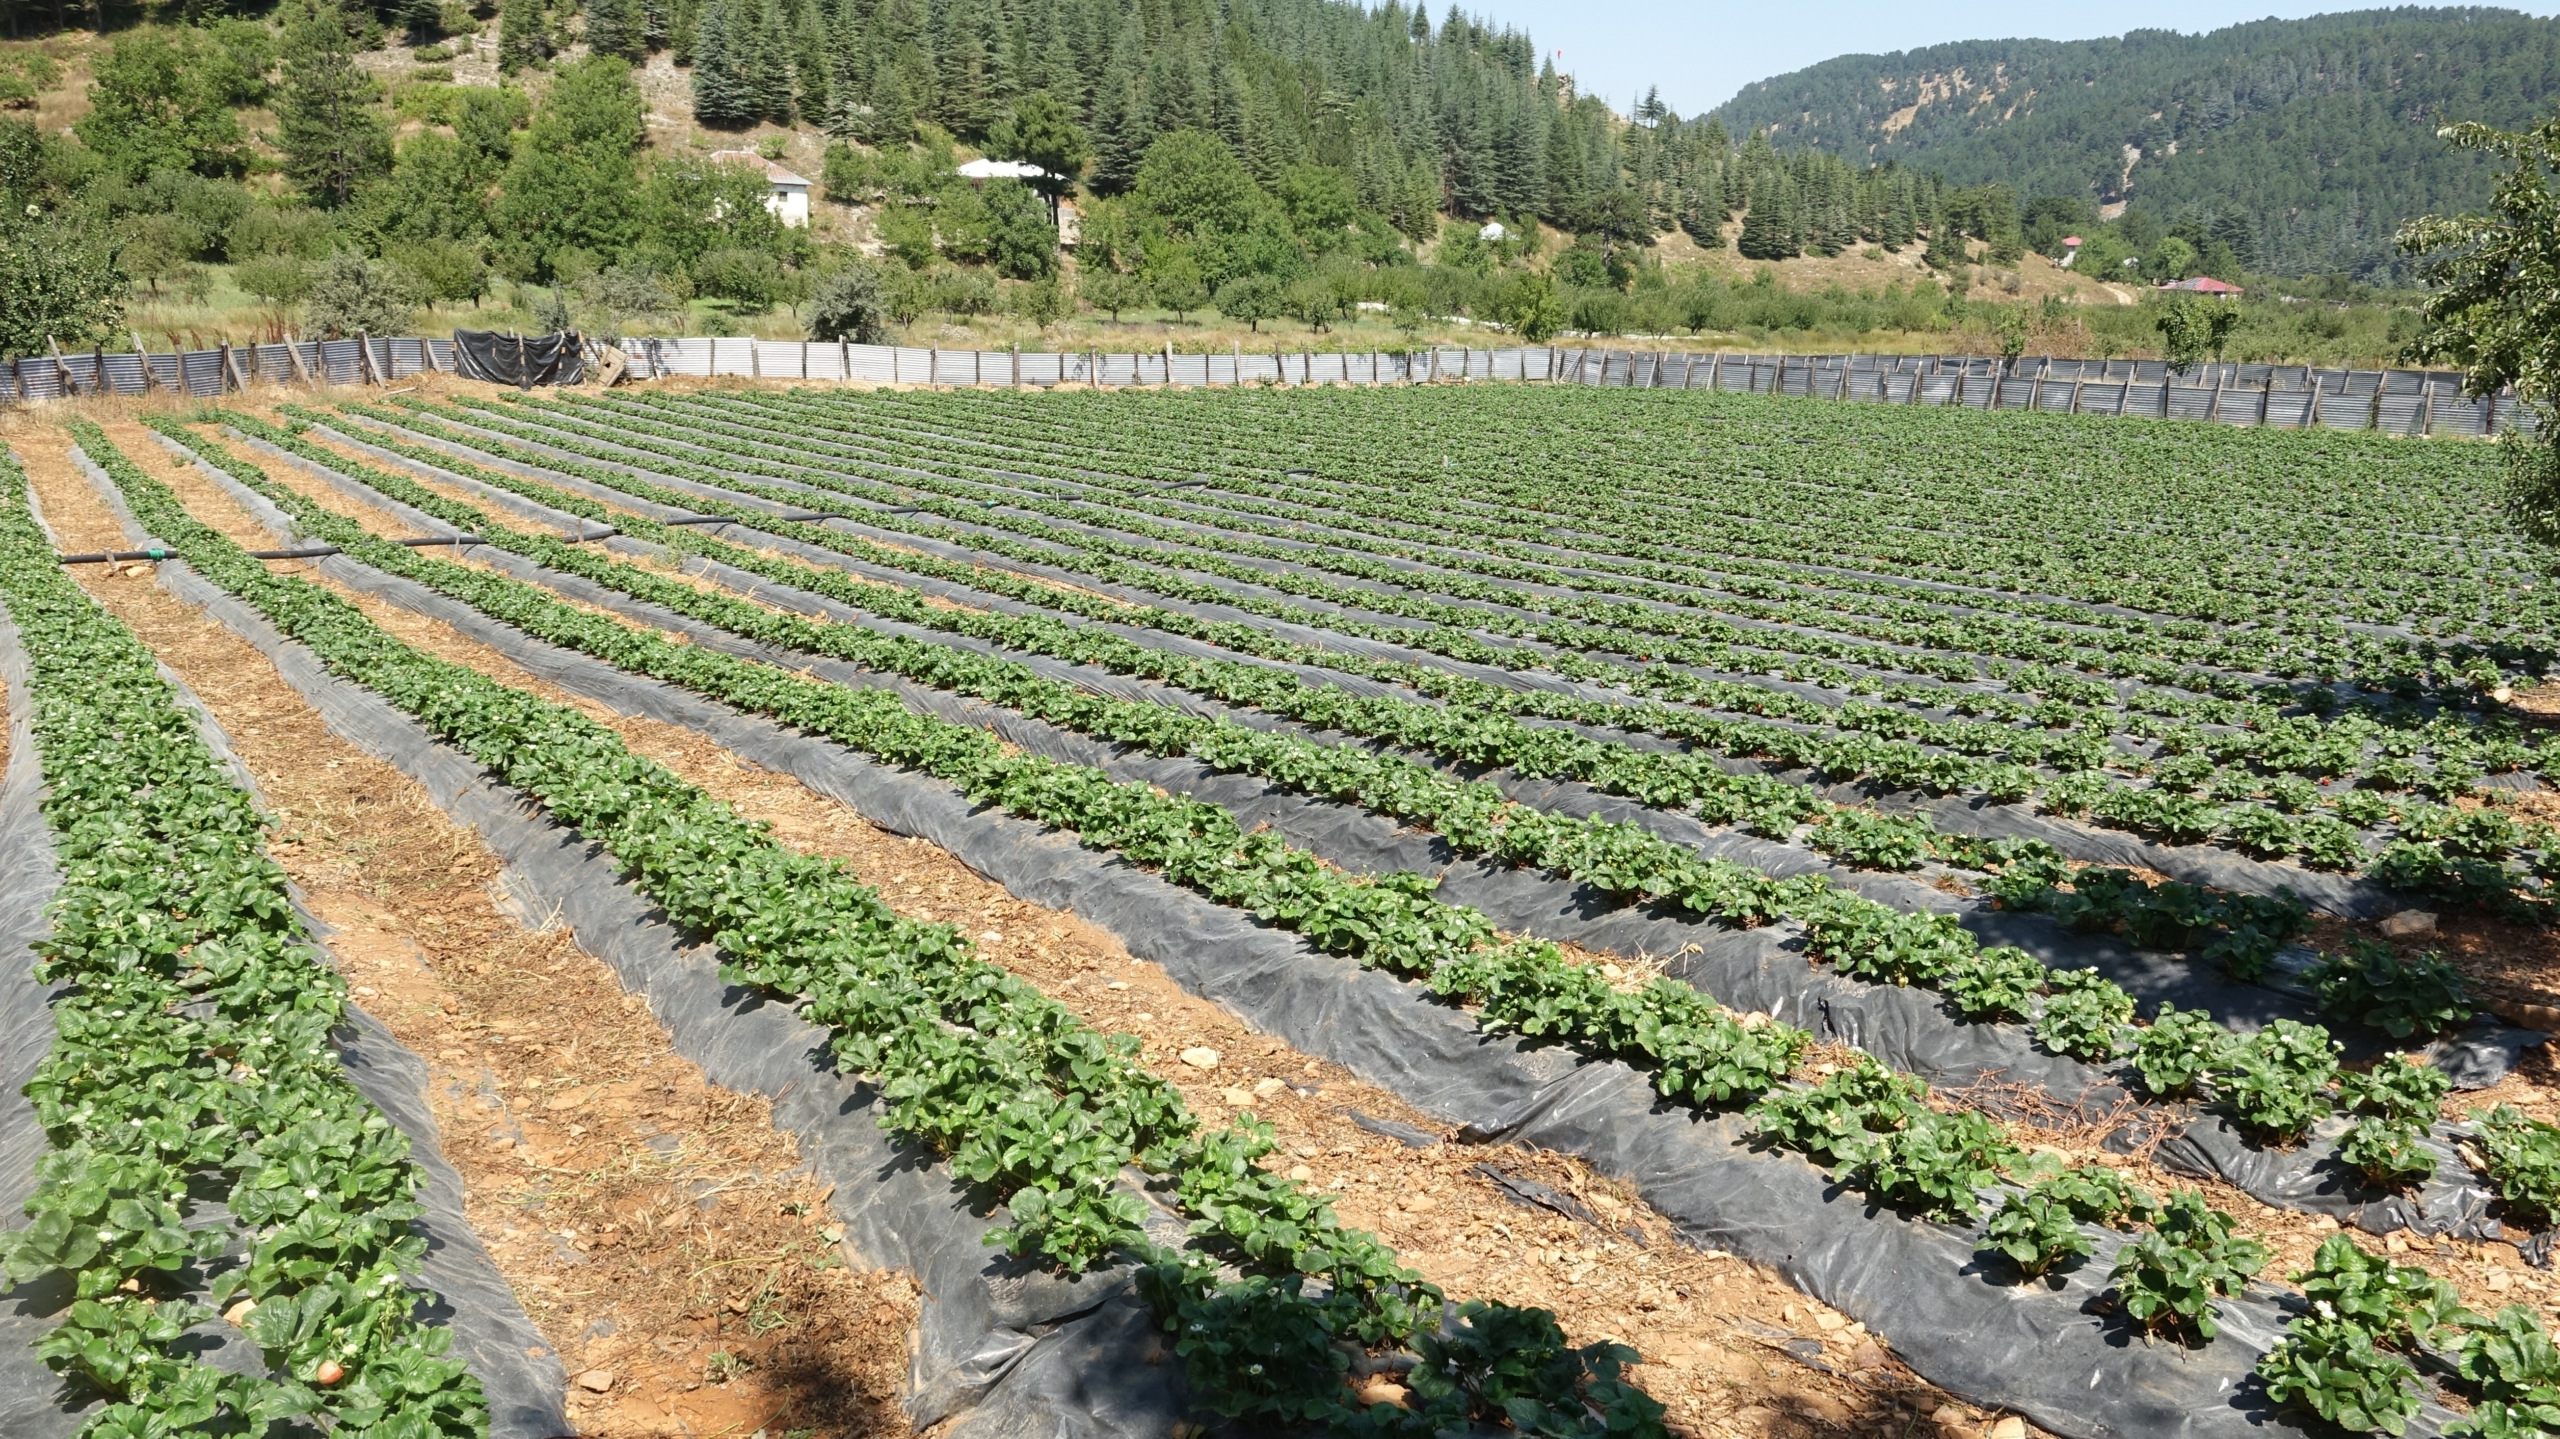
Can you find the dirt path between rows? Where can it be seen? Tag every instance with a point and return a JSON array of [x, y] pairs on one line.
[[654, 1226]]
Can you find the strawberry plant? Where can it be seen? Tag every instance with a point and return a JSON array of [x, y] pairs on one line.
[[1031, 1105], [2522, 1158], [2085, 1015], [2509, 1362], [2417, 998], [2334, 1370], [2001, 982], [2167, 1279], [2276, 1081], [2040, 1226], [194, 1044], [1935, 1164], [2400, 1305], [2178, 1048]]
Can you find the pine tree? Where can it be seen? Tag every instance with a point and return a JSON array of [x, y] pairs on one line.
[[723, 95], [524, 34], [964, 93], [1769, 226], [1119, 129], [770, 73], [617, 27], [332, 136]]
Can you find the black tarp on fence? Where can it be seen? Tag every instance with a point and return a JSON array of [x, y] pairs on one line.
[[520, 360]]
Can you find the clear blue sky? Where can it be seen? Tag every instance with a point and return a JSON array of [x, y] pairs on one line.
[[1701, 53]]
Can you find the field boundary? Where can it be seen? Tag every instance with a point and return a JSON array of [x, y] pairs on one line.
[[2400, 402]]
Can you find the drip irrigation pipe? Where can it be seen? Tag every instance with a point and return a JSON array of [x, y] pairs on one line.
[[307, 552]]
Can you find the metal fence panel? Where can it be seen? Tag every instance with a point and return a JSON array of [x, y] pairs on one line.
[[2400, 414]]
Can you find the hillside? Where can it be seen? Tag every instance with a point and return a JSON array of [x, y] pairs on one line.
[[2319, 132]]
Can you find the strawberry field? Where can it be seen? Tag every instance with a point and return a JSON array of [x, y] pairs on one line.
[[2070, 900]]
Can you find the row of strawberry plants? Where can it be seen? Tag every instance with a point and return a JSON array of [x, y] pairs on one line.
[[194, 1065], [1235, 491], [1625, 860], [1676, 614], [1900, 1150], [1923, 1161], [1471, 726], [2179, 817], [1883, 492], [2168, 808], [1375, 437], [2224, 758], [1079, 451], [2271, 1084], [1019, 1096]]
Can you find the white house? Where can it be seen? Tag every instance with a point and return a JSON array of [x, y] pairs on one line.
[[1492, 233], [788, 193], [2070, 252]]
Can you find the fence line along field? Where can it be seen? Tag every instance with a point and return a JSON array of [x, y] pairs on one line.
[[1560, 909]]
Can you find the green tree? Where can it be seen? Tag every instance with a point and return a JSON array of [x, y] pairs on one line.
[[1314, 303], [438, 189], [162, 98], [1769, 225], [327, 124], [1023, 245], [1044, 302], [2496, 306], [2174, 258], [574, 183], [766, 31], [851, 303], [1528, 305], [618, 27], [1253, 299], [351, 295], [2192, 328], [276, 279], [691, 205], [1042, 131], [1195, 185], [724, 95], [445, 270], [59, 282], [1111, 291], [524, 34], [1173, 277]]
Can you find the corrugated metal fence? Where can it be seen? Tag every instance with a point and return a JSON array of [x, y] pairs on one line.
[[2406, 402], [207, 373]]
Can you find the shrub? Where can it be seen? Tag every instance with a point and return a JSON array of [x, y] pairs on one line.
[[352, 295], [850, 304]]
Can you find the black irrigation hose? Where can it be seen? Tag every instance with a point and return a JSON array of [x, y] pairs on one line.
[[307, 552]]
